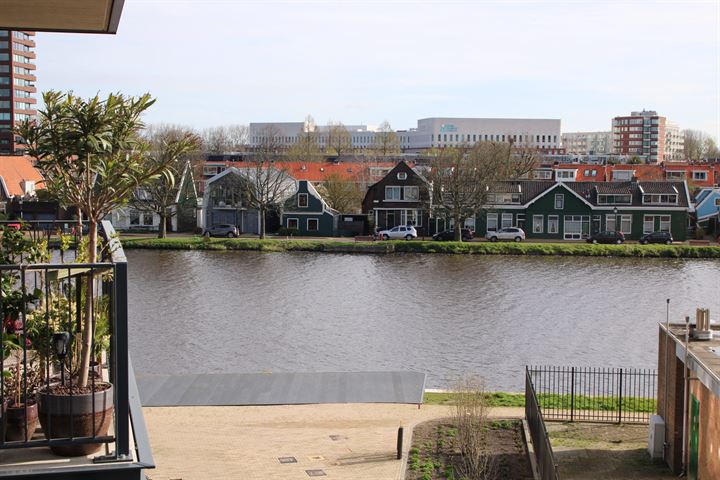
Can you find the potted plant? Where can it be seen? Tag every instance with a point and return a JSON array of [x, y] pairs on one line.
[[93, 158]]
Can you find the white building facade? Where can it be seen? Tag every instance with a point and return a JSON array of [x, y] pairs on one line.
[[433, 132], [587, 143], [674, 143]]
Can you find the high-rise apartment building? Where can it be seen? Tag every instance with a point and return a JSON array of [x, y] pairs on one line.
[[640, 134], [674, 143], [587, 143], [17, 85]]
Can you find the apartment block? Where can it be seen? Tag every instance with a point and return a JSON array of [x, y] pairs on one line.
[[640, 134], [17, 86], [587, 143]]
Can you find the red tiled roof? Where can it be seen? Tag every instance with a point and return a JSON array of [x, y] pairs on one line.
[[14, 170], [319, 171]]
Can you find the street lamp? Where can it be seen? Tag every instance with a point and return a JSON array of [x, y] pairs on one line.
[[60, 342]]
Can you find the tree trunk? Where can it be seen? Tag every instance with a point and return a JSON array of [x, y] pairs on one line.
[[262, 223], [88, 329], [458, 228], [162, 228]]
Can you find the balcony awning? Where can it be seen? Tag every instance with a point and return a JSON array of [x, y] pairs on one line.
[[78, 16]]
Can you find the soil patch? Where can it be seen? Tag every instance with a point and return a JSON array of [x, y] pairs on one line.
[[587, 451], [68, 390], [434, 454]]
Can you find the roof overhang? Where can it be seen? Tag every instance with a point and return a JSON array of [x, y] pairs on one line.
[[77, 16]]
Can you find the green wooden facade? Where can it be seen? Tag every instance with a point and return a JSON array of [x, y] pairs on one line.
[[571, 211], [308, 214]]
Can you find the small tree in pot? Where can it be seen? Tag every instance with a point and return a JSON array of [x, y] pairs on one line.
[[92, 157]]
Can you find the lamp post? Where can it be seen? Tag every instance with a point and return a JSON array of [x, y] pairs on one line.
[[60, 343]]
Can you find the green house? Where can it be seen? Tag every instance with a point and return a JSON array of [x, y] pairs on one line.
[[574, 210], [308, 214]]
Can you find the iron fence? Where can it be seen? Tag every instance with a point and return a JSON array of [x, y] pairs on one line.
[[544, 456], [43, 305], [616, 395]]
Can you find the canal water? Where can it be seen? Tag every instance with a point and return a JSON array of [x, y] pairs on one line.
[[440, 314]]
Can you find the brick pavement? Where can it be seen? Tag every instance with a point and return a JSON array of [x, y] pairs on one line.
[[245, 442]]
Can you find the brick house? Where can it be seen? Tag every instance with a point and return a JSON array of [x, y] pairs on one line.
[[688, 398]]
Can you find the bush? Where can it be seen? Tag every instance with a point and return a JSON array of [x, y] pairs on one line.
[[699, 233], [288, 232]]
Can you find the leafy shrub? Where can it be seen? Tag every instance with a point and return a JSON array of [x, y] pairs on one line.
[[288, 232]]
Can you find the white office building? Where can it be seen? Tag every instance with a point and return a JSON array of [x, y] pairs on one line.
[[543, 134]]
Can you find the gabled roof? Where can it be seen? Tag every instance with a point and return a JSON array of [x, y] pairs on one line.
[[14, 169]]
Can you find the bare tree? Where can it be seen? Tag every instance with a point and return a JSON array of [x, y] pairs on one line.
[[222, 139], [521, 161], [386, 142], [266, 182], [342, 194], [307, 147], [339, 139], [471, 421], [170, 145], [699, 146], [461, 177]]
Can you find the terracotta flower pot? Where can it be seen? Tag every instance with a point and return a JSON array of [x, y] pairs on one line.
[[73, 414], [18, 422]]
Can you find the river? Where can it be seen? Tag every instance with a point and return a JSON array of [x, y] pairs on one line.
[[440, 314]]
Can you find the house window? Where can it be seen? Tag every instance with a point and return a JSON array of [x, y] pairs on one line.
[[565, 174], [648, 224], [537, 224], [699, 175], [543, 174], [553, 224], [614, 199], [492, 222], [507, 220], [393, 193], [610, 223], [412, 217], [664, 223], [559, 201], [520, 220], [302, 200], [675, 175], [654, 198], [293, 223], [717, 202], [412, 194], [402, 175], [626, 224], [576, 227], [312, 225]]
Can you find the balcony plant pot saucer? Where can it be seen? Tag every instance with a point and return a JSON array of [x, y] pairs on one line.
[[63, 415], [20, 420]]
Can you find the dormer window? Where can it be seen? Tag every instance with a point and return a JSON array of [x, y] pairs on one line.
[[622, 175], [660, 199], [565, 175], [503, 198], [302, 200], [615, 199], [699, 175], [402, 175]]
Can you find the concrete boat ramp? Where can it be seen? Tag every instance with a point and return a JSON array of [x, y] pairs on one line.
[[240, 389]]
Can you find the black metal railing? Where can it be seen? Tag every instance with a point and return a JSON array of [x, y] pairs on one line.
[[544, 456], [616, 395], [42, 307]]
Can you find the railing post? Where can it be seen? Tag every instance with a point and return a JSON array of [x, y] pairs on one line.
[[572, 394], [122, 406], [620, 397]]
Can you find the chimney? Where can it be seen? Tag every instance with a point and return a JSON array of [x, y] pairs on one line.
[[702, 329]]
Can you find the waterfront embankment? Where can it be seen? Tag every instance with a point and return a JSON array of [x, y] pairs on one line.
[[419, 246]]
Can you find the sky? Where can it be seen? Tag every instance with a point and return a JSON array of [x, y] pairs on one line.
[[220, 62]]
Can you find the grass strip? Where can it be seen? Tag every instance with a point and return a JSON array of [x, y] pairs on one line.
[[581, 402], [466, 248]]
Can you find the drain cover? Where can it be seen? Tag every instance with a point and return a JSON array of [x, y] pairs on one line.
[[316, 473], [287, 459]]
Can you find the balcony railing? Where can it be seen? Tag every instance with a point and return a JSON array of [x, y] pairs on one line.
[[44, 299]]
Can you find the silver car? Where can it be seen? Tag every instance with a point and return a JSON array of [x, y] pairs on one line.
[[399, 232], [222, 230], [511, 233]]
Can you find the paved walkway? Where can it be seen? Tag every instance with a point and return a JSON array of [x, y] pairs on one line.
[[345, 441]]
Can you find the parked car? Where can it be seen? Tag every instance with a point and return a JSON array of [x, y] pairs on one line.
[[511, 233], [609, 236], [446, 235], [657, 237], [399, 232], [222, 230]]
